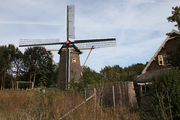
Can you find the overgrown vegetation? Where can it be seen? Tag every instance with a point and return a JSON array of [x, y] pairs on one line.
[[165, 91], [53, 105]]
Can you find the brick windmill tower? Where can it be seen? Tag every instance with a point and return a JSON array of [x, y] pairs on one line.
[[69, 65]]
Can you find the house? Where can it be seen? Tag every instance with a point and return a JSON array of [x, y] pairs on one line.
[[158, 62]]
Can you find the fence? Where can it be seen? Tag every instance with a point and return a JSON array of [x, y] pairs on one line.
[[120, 94]]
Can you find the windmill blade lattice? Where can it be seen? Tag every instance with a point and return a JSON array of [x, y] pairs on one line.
[[70, 29], [37, 42], [96, 43]]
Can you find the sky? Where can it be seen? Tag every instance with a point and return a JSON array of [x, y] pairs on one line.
[[139, 26]]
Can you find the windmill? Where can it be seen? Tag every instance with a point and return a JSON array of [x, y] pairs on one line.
[[69, 65]]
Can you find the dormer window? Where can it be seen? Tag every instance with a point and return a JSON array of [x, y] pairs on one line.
[[160, 60]]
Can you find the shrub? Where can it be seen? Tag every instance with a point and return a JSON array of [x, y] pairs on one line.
[[165, 89]]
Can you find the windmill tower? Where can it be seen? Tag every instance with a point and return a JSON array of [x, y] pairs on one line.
[[69, 65]]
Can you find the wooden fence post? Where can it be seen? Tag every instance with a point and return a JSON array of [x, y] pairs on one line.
[[96, 114], [113, 97]]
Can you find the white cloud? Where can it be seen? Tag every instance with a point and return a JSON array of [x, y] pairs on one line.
[[138, 25]]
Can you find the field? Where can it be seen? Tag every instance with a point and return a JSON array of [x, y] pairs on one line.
[[56, 105]]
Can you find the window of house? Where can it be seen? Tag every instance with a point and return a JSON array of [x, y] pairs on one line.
[[160, 60]]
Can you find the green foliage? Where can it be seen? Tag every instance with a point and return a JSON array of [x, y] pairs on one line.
[[39, 66], [165, 90], [175, 16], [117, 73], [43, 78], [34, 63], [136, 68], [11, 64], [111, 74], [88, 77]]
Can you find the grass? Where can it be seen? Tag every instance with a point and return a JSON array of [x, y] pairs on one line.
[[52, 105]]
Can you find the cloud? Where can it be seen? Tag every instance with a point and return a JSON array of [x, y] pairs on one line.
[[139, 26]]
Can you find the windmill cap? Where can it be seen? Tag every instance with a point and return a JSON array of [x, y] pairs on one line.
[[44, 49]]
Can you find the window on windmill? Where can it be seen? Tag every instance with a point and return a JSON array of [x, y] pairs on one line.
[[160, 60], [73, 60]]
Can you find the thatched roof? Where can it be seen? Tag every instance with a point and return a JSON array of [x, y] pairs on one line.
[[146, 77]]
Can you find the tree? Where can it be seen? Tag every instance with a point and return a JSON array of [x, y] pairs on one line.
[[175, 16], [117, 73], [10, 58], [5, 64], [112, 74], [38, 64], [137, 68], [88, 77], [16, 65]]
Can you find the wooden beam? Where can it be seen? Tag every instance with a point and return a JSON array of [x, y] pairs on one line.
[[65, 48], [24, 82], [52, 59], [143, 84]]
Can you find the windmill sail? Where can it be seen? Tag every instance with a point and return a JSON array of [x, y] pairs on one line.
[[70, 33], [70, 29], [96, 43], [37, 42]]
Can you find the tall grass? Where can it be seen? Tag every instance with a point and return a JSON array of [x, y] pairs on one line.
[[53, 105]]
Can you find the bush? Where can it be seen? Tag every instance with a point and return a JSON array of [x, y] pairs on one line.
[[165, 89]]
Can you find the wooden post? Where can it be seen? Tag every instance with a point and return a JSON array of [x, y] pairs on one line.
[[140, 90], [85, 92], [32, 85], [52, 59], [96, 114], [17, 85], [113, 97]]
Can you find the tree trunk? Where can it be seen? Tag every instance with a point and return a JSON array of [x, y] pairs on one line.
[[3, 81], [34, 79], [12, 83], [30, 77]]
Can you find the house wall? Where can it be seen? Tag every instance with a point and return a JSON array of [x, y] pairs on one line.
[[170, 45]]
